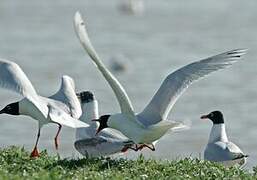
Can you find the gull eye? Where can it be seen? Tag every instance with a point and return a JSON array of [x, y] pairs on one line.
[[211, 115]]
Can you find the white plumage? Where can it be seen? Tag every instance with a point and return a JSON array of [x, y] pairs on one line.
[[151, 124], [107, 142], [219, 148], [62, 108]]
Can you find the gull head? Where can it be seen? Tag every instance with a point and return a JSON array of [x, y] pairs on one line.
[[102, 122], [12, 109], [85, 96], [216, 117]]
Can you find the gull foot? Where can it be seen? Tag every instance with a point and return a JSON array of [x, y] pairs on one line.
[[34, 153]]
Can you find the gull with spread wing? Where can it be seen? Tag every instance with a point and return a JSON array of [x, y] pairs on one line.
[[151, 124], [63, 108]]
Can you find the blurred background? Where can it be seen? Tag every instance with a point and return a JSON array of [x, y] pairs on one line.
[[146, 43]]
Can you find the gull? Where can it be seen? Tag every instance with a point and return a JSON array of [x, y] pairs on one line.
[[63, 108], [107, 142], [152, 123], [219, 148]]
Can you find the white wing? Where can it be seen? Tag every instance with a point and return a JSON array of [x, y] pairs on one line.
[[235, 150], [121, 95], [223, 151], [177, 82], [67, 95], [59, 116], [13, 78]]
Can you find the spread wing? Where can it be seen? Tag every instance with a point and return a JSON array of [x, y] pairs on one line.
[[13, 78], [67, 95], [120, 93], [177, 82]]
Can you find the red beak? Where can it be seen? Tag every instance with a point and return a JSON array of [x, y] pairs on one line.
[[204, 117], [95, 120]]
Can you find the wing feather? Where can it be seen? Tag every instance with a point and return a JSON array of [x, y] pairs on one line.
[[61, 117], [177, 82], [119, 91], [13, 78], [68, 96], [223, 151]]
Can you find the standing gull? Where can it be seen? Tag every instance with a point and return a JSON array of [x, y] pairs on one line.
[[151, 124], [107, 142], [219, 148], [63, 108]]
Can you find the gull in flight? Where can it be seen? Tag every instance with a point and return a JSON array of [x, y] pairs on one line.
[[219, 148], [63, 108], [107, 142], [151, 124]]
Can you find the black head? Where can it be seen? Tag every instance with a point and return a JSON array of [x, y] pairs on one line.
[[103, 122], [85, 96], [12, 109], [216, 117]]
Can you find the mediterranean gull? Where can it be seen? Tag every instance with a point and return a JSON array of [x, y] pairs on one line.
[[219, 148], [63, 108], [107, 142]]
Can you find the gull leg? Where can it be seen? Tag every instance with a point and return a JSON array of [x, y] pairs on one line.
[[124, 149], [132, 148], [56, 137], [35, 152], [150, 146]]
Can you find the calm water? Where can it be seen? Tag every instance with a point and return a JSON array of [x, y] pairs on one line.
[[39, 36]]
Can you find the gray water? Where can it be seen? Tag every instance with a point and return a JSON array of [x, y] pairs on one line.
[[39, 36]]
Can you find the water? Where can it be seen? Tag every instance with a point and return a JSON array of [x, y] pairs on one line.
[[39, 36]]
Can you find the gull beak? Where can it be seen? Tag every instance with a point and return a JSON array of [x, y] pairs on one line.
[[204, 117], [95, 120], [2, 111], [97, 131]]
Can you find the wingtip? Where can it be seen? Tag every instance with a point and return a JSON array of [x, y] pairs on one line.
[[240, 51], [77, 15], [78, 19]]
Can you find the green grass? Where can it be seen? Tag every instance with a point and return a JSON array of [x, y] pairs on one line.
[[15, 163]]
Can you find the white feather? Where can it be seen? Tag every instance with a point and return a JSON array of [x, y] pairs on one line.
[[59, 116], [121, 95], [177, 82], [13, 78], [67, 95]]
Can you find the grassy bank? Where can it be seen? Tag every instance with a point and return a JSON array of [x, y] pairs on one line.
[[15, 163]]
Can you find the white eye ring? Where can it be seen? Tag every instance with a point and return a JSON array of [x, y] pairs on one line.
[[211, 115]]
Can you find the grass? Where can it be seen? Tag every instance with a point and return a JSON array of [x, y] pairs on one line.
[[15, 163]]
